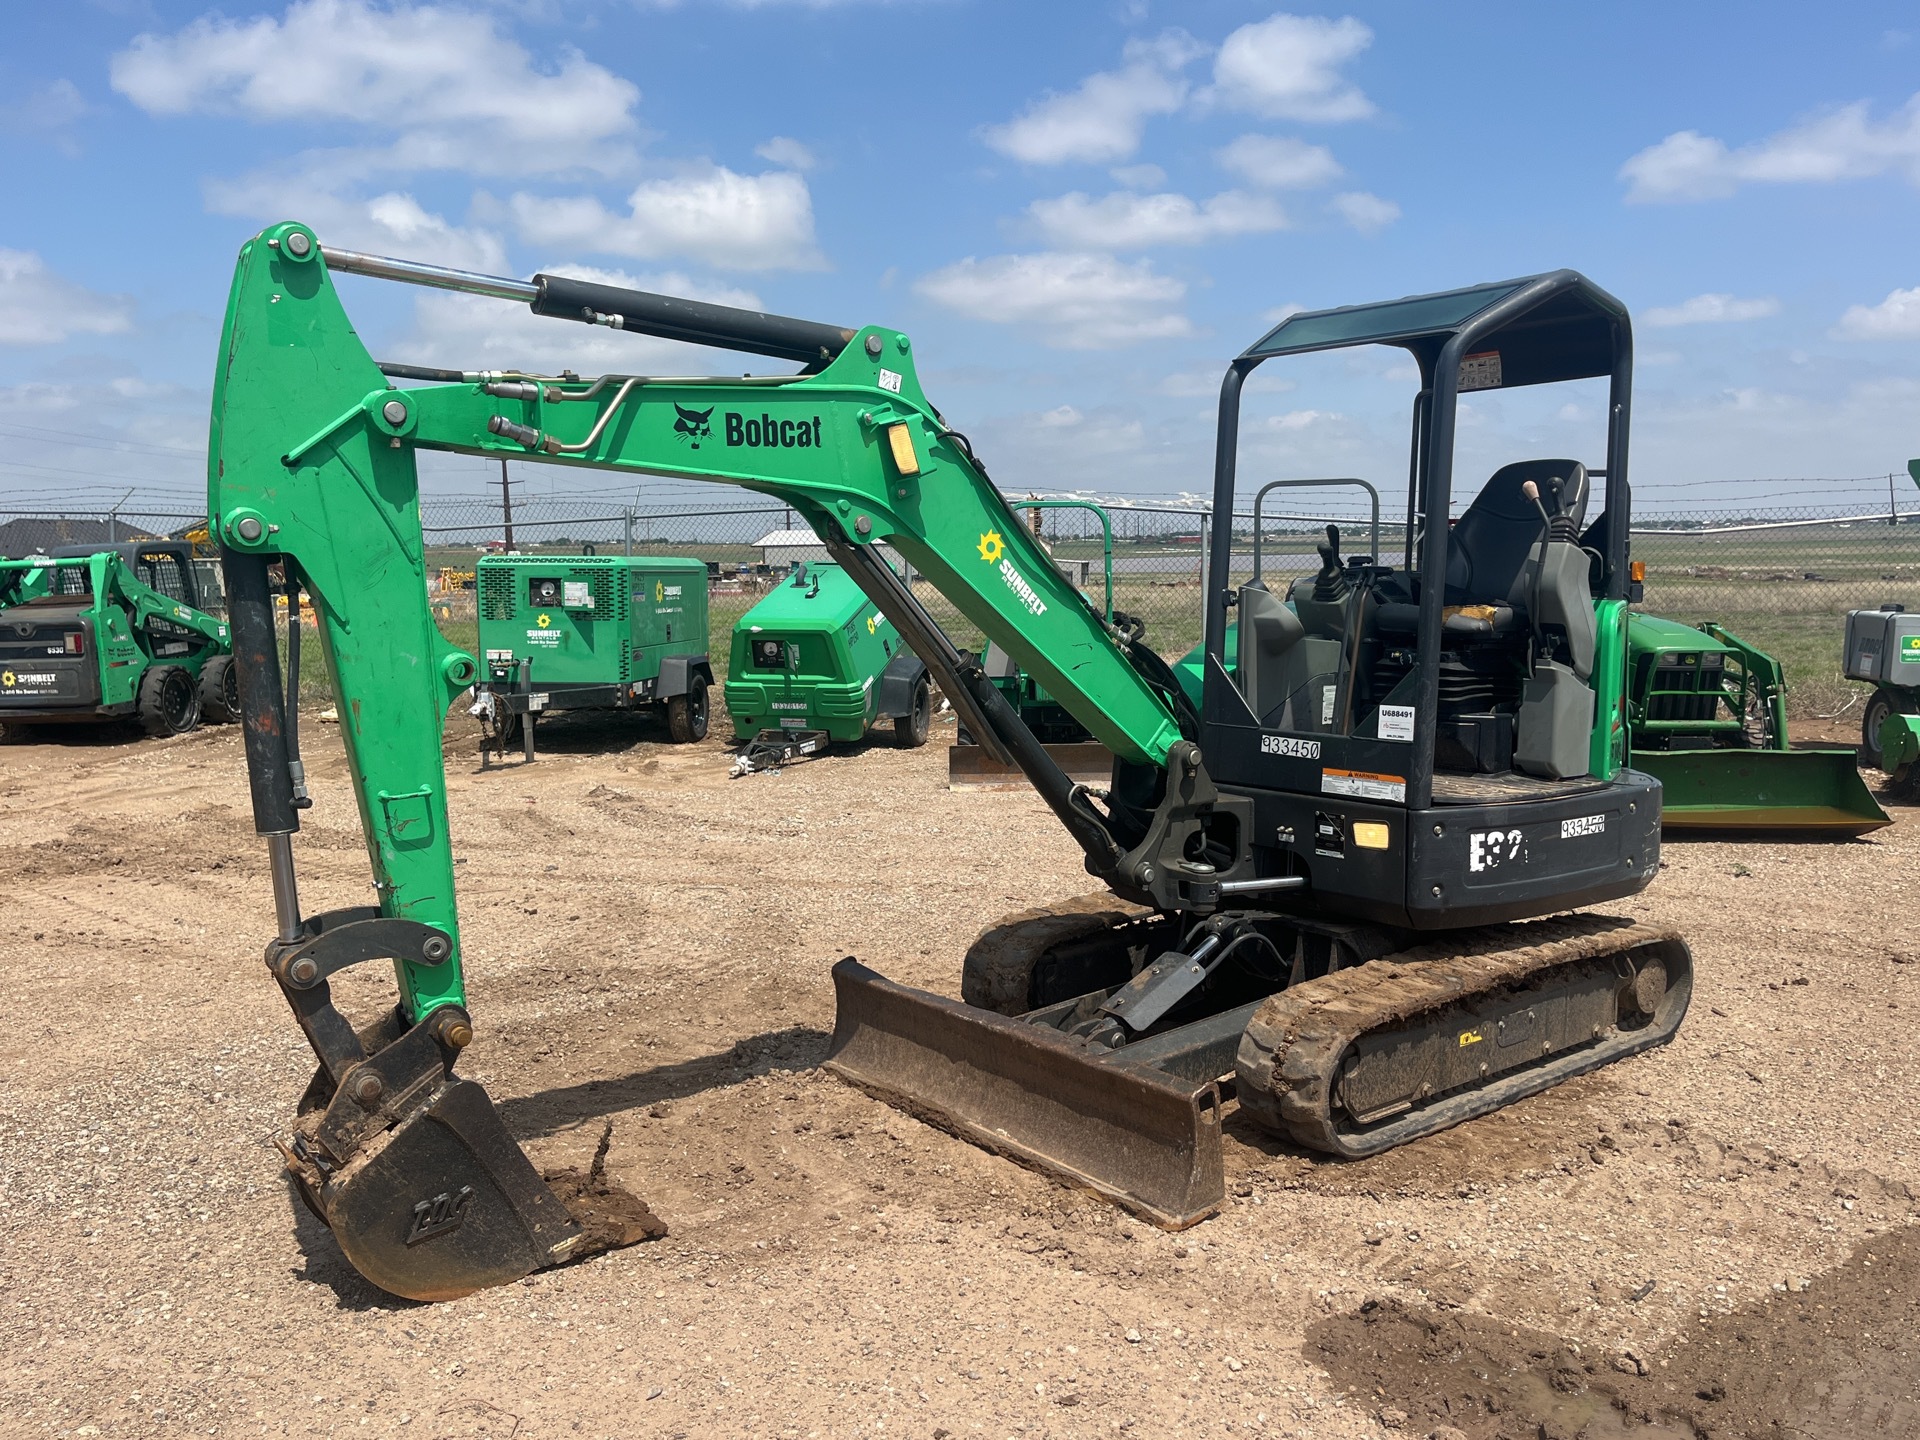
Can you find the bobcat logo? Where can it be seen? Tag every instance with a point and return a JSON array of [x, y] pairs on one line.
[[691, 425]]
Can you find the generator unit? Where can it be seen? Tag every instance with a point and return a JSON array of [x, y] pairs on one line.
[[1883, 649], [592, 632], [816, 662]]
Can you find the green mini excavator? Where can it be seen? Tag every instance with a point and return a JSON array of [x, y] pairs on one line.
[[1324, 887]]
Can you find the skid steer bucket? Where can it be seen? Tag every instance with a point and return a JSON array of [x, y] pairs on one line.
[[1783, 793], [1139, 1134]]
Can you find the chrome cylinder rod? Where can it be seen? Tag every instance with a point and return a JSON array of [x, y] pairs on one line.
[[416, 272], [286, 895]]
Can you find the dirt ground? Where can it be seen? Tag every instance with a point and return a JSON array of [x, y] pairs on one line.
[[1714, 1237]]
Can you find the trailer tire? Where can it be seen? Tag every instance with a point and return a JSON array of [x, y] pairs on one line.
[[910, 729], [687, 714], [220, 690], [1886, 701], [168, 701]]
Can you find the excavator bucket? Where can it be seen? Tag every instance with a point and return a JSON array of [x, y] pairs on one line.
[[445, 1202], [1764, 793], [1134, 1131]]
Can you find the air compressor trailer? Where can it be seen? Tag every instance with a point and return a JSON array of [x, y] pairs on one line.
[[592, 632], [815, 662]]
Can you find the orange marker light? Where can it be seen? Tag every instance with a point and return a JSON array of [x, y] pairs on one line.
[[1637, 569]]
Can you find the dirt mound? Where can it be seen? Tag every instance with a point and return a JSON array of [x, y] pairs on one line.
[[1834, 1360]]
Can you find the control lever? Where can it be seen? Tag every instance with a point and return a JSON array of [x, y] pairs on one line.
[[1532, 492]]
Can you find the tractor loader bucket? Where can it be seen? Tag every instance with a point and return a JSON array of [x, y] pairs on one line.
[[1764, 793], [971, 767], [1143, 1137]]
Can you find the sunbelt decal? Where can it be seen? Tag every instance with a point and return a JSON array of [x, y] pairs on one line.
[[993, 550]]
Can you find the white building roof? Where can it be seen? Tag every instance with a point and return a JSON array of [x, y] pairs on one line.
[[788, 537]]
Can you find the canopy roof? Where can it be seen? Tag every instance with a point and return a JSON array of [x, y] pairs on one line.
[[1555, 326]]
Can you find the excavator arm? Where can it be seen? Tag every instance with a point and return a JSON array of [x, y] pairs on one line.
[[312, 466]]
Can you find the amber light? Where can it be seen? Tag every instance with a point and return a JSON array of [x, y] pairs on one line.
[[1637, 569]]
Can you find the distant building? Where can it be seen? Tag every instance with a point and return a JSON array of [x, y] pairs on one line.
[[779, 549], [37, 534]]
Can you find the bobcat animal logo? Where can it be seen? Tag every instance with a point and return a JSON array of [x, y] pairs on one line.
[[691, 425]]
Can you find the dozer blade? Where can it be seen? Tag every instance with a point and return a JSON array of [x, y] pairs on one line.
[[444, 1202], [1764, 793], [1139, 1136], [970, 767]]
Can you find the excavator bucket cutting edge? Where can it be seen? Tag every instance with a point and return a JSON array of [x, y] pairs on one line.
[[1143, 1138]]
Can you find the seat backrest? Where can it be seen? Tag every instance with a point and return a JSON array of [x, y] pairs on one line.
[[1489, 548]]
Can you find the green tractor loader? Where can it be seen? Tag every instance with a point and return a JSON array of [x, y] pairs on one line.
[[1707, 713], [815, 662], [94, 634]]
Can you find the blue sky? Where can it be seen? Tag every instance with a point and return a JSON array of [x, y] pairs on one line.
[[1079, 211]]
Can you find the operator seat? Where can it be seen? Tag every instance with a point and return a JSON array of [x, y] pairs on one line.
[[1490, 549]]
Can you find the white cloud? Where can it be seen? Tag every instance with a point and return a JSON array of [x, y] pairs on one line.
[[471, 332], [50, 112], [1104, 119], [1139, 177], [720, 217], [454, 90], [1365, 213], [1712, 309], [1288, 67], [1844, 144], [1895, 318], [1279, 162], [1125, 221], [38, 307], [1076, 302], [1058, 418], [787, 152], [391, 223]]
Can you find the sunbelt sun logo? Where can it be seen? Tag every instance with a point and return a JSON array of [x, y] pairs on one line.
[[993, 550]]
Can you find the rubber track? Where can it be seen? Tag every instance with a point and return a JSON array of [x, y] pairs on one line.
[[1291, 1050], [997, 974]]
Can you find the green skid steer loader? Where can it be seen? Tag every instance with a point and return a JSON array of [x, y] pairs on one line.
[[95, 634]]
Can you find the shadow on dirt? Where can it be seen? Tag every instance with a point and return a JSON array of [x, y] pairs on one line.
[[548, 1112], [1834, 1361]]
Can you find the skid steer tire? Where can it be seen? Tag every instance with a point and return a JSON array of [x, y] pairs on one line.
[[910, 729], [220, 690], [168, 701], [687, 714], [997, 973]]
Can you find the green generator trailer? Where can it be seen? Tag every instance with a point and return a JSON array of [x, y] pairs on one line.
[[113, 632], [814, 663], [1707, 715], [591, 632]]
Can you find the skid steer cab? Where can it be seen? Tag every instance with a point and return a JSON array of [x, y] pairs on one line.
[[591, 632], [92, 634]]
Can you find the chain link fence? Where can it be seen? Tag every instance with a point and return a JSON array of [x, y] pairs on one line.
[[1781, 579]]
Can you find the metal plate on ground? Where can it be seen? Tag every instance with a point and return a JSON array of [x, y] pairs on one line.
[[1811, 792], [969, 767], [1138, 1136]]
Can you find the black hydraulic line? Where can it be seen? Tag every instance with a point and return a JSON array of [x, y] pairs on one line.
[[396, 371], [295, 769], [256, 657], [696, 321]]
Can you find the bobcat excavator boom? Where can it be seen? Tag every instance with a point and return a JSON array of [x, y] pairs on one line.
[[1096, 1037]]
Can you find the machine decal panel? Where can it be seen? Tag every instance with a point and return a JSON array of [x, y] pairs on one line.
[[1490, 849], [1480, 371], [40, 684], [1364, 785], [1396, 722], [1578, 825], [1291, 745], [1910, 649], [890, 380]]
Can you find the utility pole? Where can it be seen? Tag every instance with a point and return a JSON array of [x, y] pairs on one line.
[[506, 505], [113, 518]]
